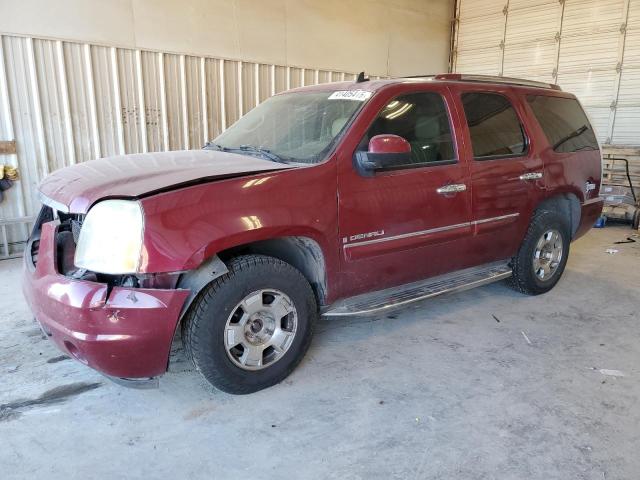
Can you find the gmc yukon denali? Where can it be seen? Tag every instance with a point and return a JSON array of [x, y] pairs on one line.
[[346, 198]]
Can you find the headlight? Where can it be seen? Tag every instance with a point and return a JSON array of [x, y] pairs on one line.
[[111, 238]]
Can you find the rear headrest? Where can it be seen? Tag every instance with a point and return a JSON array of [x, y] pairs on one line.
[[427, 128]]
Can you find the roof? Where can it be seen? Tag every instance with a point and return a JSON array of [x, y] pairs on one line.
[[375, 85]]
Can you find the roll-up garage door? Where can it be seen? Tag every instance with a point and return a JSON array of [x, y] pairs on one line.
[[588, 47]]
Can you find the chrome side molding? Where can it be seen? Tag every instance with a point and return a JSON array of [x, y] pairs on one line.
[[430, 230]]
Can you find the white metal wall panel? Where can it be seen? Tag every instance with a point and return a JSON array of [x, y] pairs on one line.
[[129, 101], [232, 94], [153, 101], [483, 61], [14, 205], [56, 115], [479, 44], [588, 47], [108, 111], [626, 129], [531, 43], [248, 84], [82, 101], [26, 117], [594, 51], [481, 8], [193, 113], [481, 32], [627, 120], [68, 102], [592, 16], [215, 106]]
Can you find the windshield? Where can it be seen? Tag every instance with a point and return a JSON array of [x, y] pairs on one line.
[[293, 127]]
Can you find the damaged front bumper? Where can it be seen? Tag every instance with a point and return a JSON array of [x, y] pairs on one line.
[[122, 332]]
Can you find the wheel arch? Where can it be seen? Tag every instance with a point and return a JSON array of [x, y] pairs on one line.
[[301, 252], [566, 204]]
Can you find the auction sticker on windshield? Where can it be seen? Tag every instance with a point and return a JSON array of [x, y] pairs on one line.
[[357, 95]]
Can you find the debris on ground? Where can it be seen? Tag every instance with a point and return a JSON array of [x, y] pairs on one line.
[[630, 239], [611, 251], [495, 318], [526, 338], [611, 373]]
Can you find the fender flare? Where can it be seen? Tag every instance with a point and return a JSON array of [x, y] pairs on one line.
[[196, 280]]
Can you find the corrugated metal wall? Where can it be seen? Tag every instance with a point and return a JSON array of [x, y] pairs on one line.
[[588, 47], [66, 102]]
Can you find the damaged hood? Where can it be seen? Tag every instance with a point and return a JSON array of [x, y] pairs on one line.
[[80, 186]]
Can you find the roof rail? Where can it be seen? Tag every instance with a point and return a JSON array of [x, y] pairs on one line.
[[495, 79]]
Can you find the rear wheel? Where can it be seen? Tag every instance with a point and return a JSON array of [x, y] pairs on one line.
[[248, 329], [543, 254]]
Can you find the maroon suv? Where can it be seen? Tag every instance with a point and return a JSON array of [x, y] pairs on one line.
[[336, 199]]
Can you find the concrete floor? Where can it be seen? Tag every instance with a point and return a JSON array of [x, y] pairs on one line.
[[484, 384]]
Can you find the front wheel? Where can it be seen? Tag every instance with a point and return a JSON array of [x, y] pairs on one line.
[[248, 329], [543, 254]]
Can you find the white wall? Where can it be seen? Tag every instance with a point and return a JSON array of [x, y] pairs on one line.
[[81, 79], [382, 37]]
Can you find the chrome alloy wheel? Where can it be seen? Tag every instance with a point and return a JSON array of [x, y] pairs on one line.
[[547, 255], [260, 329]]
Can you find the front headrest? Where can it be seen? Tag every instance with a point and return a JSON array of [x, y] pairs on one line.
[[427, 128]]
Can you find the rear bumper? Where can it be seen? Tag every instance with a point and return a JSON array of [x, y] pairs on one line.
[[591, 210], [123, 333]]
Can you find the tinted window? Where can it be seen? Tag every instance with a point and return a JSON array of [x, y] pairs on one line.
[[422, 120], [564, 123], [494, 126]]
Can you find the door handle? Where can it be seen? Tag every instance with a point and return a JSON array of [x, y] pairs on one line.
[[453, 188], [531, 176]]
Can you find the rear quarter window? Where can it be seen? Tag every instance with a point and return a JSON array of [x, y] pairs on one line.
[[564, 123], [494, 126]]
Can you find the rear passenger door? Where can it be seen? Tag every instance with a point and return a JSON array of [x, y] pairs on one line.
[[505, 167]]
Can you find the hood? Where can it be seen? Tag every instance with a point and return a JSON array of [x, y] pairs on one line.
[[80, 186]]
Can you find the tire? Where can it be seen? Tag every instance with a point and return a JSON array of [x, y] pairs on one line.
[[636, 219], [217, 310], [526, 277]]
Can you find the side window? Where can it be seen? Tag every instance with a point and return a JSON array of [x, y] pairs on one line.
[[564, 123], [494, 126], [422, 120]]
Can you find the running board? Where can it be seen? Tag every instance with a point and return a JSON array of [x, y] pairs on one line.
[[384, 300]]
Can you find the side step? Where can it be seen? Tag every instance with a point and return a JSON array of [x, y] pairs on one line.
[[384, 300]]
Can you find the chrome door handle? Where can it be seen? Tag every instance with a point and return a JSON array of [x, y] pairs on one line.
[[453, 188], [531, 176]]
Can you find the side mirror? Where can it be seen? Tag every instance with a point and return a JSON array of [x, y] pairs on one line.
[[386, 152]]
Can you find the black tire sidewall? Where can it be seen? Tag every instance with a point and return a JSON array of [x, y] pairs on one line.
[[524, 273], [246, 276]]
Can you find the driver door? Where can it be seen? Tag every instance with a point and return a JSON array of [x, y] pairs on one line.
[[413, 221]]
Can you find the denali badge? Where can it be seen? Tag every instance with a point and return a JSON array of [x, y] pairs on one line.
[[362, 236]]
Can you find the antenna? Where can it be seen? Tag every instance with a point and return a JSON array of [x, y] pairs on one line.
[[361, 78]]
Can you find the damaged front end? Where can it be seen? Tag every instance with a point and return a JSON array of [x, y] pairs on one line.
[[119, 324]]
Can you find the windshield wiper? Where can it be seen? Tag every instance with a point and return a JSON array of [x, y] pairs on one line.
[[215, 146], [574, 134], [266, 153]]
